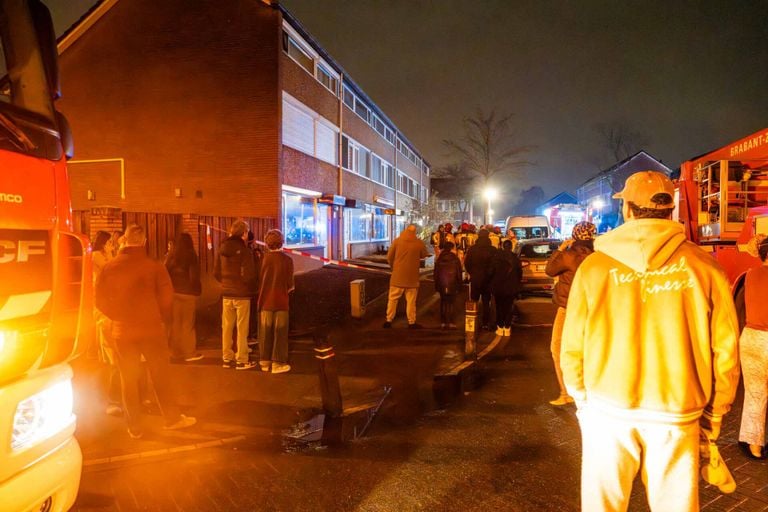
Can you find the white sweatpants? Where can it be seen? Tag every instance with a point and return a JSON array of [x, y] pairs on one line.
[[753, 352], [614, 450]]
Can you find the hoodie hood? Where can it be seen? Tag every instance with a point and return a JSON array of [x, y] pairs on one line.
[[642, 244]]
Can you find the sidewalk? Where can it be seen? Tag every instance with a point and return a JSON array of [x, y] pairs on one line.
[[233, 405]]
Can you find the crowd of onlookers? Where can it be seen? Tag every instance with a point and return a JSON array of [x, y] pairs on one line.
[[646, 341], [145, 313]]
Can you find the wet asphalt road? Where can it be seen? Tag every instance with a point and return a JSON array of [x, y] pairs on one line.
[[500, 447]]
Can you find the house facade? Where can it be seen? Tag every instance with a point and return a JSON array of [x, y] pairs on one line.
[[596, 194], [188, 114]]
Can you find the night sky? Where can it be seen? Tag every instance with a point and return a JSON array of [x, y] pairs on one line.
[[690, 76]]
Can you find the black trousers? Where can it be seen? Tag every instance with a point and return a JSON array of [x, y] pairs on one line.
[[446, 308], [155, 351], [504, 308], [484, 293]]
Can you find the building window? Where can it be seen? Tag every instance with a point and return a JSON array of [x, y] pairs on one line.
[[327, 79], [349, 99], [298, 129], [362, 110], [325, 143], [390, 136], [362, 162], [367, 224], [299, 221], [359, 224], [305, 130], [380, 224], [297, 53]]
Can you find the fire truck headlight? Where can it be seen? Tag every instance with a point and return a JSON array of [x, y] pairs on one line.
[[7, 339], [43, 415]]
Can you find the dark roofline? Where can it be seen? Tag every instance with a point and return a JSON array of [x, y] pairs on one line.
[[615, 166], [296, 25], [564, 192]]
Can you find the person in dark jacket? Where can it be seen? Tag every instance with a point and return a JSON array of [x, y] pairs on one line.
[[563, 264], [236, 271], [478, 262], [136, 294], [183, 266], [448, 283], [505, 285]]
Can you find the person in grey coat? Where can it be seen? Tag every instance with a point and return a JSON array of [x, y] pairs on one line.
[[404, 257]]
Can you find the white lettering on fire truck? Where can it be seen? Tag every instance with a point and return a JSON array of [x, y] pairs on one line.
[[6, 197], [20, 251], [749, 144]]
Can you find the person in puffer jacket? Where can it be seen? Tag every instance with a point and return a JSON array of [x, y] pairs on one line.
[[448, 283], [478, 262], [649, 354], [505, 286], [563, 264], [236, 271]]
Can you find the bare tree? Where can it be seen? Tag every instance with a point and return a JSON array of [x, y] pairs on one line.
[[489, 149], [620, 140], [455, 183]]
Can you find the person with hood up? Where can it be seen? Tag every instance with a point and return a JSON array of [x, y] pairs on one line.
[[563, 265], [478, 262], [404, 257], [649, 354], [448, 284], [505, 285], [236, 271]]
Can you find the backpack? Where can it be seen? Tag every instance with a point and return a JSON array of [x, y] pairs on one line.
[[447, 278]]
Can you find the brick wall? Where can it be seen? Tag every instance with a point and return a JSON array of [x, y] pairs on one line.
[[192, 104]]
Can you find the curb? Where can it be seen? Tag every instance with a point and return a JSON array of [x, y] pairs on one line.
[[96, 464]]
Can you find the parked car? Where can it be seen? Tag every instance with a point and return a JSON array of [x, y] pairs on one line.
[[534, 254]]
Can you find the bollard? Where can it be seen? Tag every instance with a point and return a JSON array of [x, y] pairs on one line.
[[469, 330], [329, 377], [357, 297]]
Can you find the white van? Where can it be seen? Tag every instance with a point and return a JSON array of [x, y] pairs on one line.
[[529, 226]]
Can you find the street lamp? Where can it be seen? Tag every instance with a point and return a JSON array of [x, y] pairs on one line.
[[490, 195], [596, 205]]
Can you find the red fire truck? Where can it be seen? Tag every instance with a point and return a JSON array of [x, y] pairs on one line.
[[724, 202], [45, 274]]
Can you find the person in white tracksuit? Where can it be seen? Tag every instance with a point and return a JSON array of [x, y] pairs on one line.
[[649, 354]]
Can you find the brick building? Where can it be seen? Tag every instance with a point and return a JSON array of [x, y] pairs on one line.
[[187, 114]]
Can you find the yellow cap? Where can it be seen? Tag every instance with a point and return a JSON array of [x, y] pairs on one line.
[[642, 188]]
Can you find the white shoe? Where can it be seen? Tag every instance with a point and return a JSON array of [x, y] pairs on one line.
[[280, 367], [182, 422], [499, 331], [507, 331]]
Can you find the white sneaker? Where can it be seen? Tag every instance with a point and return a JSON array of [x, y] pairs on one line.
[[182, 422], [507, 331], [280, 368], [499, 331]]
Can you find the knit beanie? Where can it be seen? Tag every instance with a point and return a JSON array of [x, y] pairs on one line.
[[584, 231]]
